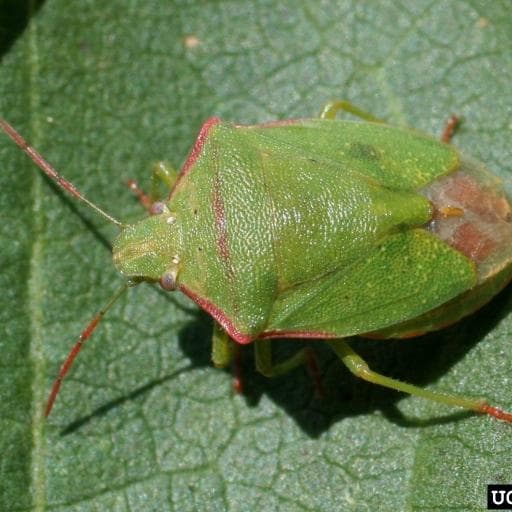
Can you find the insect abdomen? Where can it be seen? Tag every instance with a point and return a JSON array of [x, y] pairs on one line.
[[473, 214]]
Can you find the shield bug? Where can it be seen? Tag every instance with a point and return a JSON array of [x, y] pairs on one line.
[[318, 228]]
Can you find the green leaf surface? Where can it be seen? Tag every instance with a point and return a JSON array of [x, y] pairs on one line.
[[144, 422]]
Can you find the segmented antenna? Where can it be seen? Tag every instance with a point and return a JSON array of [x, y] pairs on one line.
[[50, 171], [66, 365]]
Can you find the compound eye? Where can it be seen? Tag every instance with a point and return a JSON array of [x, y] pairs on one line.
[[168, 281], [158, 207]]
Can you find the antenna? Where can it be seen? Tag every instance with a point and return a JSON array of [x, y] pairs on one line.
[[50, 171], [66, 365]]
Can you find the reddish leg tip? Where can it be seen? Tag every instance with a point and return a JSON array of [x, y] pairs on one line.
[[238, 379], [500, 414], [449, 129], [238, 386], [143, 198], [314, 371]]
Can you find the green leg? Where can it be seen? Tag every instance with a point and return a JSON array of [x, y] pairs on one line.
[[222, 347], [263, 354], [305, 356], [332, 108], [226, 352], [164, 173], [360, 369]]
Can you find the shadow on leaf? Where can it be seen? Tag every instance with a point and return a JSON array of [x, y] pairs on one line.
[[14, 16], [419, 361], [107, 407]]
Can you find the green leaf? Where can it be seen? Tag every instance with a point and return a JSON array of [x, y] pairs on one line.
[[144, 422]]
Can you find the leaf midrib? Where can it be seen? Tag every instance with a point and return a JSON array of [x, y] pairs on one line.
[[35, 287]]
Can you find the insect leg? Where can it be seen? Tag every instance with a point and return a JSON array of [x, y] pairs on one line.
[[305, 356], [333, 107], [450, 128], [225, 352], [360, 368], [162, 172], [264, 364], [222, 347]]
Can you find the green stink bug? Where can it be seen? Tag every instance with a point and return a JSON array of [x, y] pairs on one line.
[[318, 228]]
